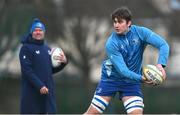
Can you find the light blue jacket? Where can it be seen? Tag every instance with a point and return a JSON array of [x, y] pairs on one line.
[[125, 54]]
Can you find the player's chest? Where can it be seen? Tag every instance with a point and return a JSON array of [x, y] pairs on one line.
[[129, 45]]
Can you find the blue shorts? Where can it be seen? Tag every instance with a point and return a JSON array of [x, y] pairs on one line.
[[110, 88]]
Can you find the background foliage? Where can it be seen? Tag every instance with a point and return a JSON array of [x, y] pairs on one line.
[[81, 28]]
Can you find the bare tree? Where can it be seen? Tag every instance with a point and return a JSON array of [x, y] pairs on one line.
[[9, 27], [84, 43]]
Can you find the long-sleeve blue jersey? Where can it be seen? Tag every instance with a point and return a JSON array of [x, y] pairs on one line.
[[125, 54]]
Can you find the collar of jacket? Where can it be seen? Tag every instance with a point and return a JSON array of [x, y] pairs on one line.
[[29, 40], [125, 34], [38, 42]]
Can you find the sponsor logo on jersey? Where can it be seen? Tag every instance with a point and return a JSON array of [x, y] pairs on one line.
[[37, 52]]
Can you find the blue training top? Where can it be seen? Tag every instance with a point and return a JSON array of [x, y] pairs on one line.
[[125, 54]]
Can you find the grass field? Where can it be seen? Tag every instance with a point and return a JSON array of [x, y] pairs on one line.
[[72, 97]]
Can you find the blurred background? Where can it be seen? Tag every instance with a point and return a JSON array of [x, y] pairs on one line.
[[80, 28]]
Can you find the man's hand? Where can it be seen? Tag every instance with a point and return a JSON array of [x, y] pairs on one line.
[[62, 58], [44, 90], [159, 66], [145, 80]]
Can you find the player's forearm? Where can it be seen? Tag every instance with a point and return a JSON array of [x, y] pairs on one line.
[[163, 54], [129, 74], [123, 70]]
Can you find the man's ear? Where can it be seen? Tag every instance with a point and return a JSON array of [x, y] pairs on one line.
[[129, 23]]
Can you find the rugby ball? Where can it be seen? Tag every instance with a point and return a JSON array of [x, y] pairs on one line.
[[152, 73], [55, 53]]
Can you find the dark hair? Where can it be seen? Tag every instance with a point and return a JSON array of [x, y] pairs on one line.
[[122, 13]]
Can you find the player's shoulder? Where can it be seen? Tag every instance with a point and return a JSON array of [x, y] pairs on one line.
[[111, 39], [133, 27], [139, 28], [112, 42]]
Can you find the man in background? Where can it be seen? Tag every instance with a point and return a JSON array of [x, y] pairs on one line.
[[37, 92]]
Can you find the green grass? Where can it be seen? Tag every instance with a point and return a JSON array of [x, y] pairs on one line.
[[72, 97]]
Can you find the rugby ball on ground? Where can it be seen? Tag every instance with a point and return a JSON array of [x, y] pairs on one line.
[[152, 73], [55, 53]]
